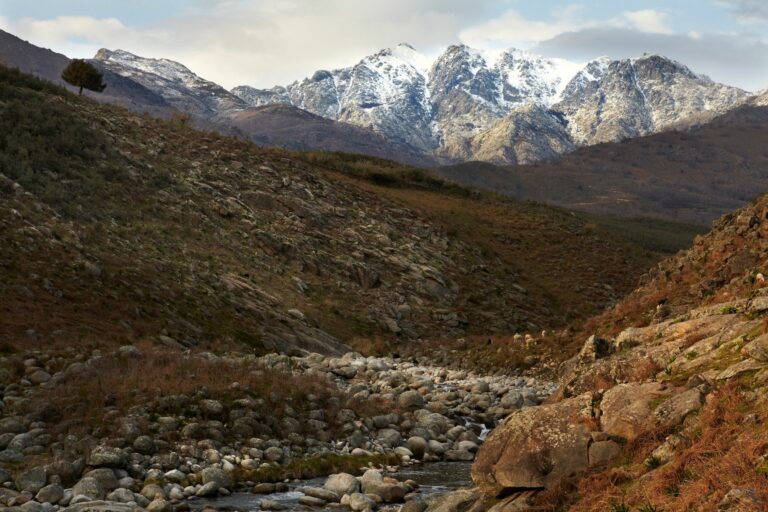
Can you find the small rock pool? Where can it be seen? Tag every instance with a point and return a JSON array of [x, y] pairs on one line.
[[432, 477]]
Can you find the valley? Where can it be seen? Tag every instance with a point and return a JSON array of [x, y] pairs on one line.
[[472, 282]]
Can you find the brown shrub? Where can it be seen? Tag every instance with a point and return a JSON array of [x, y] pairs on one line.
[[114, 383], [723, 452], [644, 370]]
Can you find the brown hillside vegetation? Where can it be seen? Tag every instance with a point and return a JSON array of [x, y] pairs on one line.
[[117, 227], [729, 262], [666, 408], [687, 176]]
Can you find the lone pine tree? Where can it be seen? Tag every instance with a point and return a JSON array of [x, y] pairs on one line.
[[83, 75]]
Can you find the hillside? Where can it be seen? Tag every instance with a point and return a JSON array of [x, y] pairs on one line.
[[47, 64], [686, 176], [120, 227], [663, 409], [725, 264]]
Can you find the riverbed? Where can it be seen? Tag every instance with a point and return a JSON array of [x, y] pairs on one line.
[[433, 478]]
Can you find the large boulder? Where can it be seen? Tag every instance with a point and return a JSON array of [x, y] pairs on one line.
[[672, 412], [121, 496], [50, 494], [410, 400], [536, 447], [389, 437], [418, 446], [107, 457], [217, 475], [456, 501], [359, 502], [106, 478], [101, 506], [371, 479], [757, 349], [594, 348], [342, 483], [32, 480], [627, 409], [89, 487], [211, 408]]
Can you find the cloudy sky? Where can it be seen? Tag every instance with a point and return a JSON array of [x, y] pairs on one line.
[[263, 43]]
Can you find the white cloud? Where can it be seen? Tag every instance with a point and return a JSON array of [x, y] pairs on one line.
[[649, 20], [264, 43], [512, 29], [238, 42]]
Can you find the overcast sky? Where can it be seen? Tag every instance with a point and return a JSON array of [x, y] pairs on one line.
[[264, 43]]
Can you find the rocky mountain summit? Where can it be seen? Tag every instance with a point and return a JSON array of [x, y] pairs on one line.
[[467, 107], [612, 101], [173, 81]]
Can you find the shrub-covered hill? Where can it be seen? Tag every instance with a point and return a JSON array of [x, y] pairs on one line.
[[116, 227]]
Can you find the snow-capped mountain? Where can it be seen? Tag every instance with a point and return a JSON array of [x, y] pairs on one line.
[[613, 100], [178, 85], [385, 91], [515, 107]]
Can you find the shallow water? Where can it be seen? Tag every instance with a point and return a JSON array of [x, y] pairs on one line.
[[433, 478]]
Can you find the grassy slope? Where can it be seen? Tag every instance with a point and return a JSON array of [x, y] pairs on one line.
[[532, 238], [126, 227]]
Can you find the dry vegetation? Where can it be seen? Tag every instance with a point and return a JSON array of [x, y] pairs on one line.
[[123, 235], [727, 451], [119, 383], [531, 239], [723, 265]]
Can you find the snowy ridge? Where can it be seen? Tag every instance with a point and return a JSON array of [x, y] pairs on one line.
[[173, 81], [466, 104]]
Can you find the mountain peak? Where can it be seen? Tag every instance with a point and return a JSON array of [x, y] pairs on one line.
[[103, 54]]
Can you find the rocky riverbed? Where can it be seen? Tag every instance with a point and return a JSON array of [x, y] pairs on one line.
[[268, 421]]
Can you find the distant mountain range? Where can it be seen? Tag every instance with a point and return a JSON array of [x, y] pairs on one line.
[[519, 108], [516, 108]]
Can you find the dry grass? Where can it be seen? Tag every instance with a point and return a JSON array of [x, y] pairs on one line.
[[725, 452], [596, 382], [644, 370], [116, 384]]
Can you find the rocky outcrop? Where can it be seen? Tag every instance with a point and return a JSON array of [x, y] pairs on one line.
[[686, 393], [526, 135], [536, 448]]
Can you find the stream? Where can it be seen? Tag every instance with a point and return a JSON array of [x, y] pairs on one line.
[[432, 477]]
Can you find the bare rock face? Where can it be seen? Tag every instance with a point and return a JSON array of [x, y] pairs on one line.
[[536, 447], [613, 100], [528, 134], [627, 409], [179, 86]]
